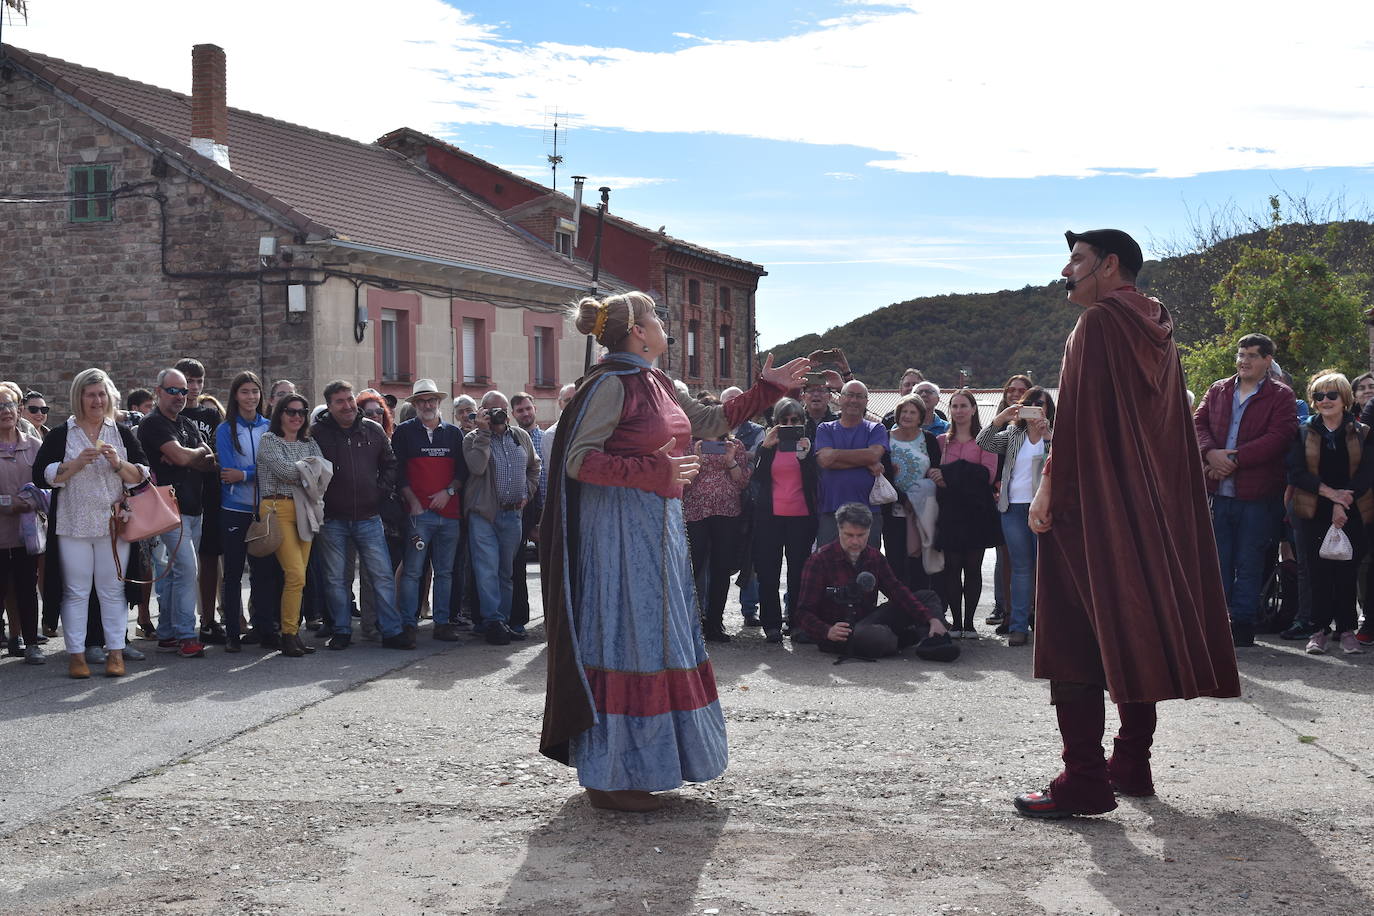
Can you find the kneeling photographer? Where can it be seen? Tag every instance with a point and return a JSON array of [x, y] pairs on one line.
[[839, 589]]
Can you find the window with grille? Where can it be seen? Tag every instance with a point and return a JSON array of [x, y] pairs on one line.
[[545, 375], [90, 186], [694, 292]]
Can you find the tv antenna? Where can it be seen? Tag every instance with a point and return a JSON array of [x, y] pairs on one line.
[[555, 137]]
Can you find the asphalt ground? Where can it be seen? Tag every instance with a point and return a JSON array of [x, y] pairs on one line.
[[379, 781]]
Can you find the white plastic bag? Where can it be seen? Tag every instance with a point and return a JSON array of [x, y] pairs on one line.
[[1336, 546], [883, 492]]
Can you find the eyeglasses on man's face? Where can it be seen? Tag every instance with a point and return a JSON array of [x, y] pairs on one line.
[[176, 392]]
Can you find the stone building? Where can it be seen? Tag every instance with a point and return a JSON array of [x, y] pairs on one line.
[[141, 225], [710, 295]]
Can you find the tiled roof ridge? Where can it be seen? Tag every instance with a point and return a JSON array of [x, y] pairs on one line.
[[489, 211], [559, 195], [49, 59]]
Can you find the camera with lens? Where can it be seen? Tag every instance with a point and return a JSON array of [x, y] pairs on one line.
[[497, 416], [850, 596]]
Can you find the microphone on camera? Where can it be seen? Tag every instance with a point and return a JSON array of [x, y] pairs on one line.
[[867, 582]]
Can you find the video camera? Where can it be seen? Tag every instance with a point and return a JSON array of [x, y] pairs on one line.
[[852, 595]]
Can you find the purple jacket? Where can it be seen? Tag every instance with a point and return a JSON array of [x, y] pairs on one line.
[[1266, 431]]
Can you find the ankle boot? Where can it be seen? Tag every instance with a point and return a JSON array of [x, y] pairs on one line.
[[76, 665], [114, 663], [291, 646], [1129, 768], [1083, 787]]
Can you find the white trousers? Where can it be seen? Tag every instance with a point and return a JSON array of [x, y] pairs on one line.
[[86, 561]]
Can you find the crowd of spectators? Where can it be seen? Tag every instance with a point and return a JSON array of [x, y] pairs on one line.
[[388, 512]]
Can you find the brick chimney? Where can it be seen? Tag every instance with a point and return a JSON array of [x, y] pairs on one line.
[[209, 108]]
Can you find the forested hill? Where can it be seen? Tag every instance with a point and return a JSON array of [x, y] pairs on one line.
[[995, 334]]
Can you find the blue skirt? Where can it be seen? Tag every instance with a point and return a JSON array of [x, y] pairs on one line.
[[658, 719]]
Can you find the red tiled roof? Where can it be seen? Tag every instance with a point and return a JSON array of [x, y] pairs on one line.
[[360, 191], [551, 197]]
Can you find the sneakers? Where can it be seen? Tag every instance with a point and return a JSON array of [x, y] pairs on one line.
[[1365, 638], [212, 634], [190, 648], [168, 645], [1300, 629], [339, 641], [1317, 644], [996, 617], [34, 656], [968, 632], [133, 655], [772, 634], [1350, 645], [95, 655]]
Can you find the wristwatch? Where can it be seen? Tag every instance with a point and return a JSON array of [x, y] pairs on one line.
[[450, 491]]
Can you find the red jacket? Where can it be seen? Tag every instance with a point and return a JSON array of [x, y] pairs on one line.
[[1266, 431]]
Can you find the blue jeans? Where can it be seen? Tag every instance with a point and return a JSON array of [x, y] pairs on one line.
[[441, 544], [1246, 531], [749, 597], [369, 538], [493, 554], [1021, 544], [178, 591]]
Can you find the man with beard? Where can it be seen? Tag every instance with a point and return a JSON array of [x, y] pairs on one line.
[[430, 473], [1129, 596]]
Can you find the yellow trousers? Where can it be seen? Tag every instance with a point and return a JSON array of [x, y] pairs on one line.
[[292, 554]]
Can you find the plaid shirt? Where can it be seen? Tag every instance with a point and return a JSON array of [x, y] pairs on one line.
[[537, 437], [830, 566], [508, 460]]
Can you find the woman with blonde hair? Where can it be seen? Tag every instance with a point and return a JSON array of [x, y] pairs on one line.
[[631, 699], [88, 462], [1330, 467]]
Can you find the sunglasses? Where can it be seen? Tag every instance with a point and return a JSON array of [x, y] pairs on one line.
[[176, 392], [38, 410], [8, 405], [374, 413], [294, 412], [1319, 396]]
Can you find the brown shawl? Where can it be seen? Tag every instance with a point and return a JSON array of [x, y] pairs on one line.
[[568, 709], [1129, 593]]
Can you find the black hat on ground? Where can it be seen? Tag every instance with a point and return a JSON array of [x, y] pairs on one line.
[[1111, 241]]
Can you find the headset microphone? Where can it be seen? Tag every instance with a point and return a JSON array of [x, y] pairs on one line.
[[1072, 284]]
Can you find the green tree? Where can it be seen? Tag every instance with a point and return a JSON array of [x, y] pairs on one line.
[[1315, 315]]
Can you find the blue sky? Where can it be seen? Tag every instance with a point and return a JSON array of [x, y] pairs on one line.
[[863, 152]]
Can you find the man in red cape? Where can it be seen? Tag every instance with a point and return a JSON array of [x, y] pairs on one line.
[[1128, 593]]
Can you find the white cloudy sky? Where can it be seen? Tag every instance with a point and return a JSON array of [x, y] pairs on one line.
[[869, 150]]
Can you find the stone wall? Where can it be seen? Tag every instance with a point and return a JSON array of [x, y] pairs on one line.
[[79, 294]]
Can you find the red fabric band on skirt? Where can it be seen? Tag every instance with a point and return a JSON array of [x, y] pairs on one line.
[[628, 693]]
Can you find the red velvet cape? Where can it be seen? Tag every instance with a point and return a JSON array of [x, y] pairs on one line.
[[1128, 589]]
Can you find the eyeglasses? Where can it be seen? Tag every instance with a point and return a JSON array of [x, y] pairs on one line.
[[1319, 396], [176, 392], [37, 410], [294, 412], [374, 413]]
